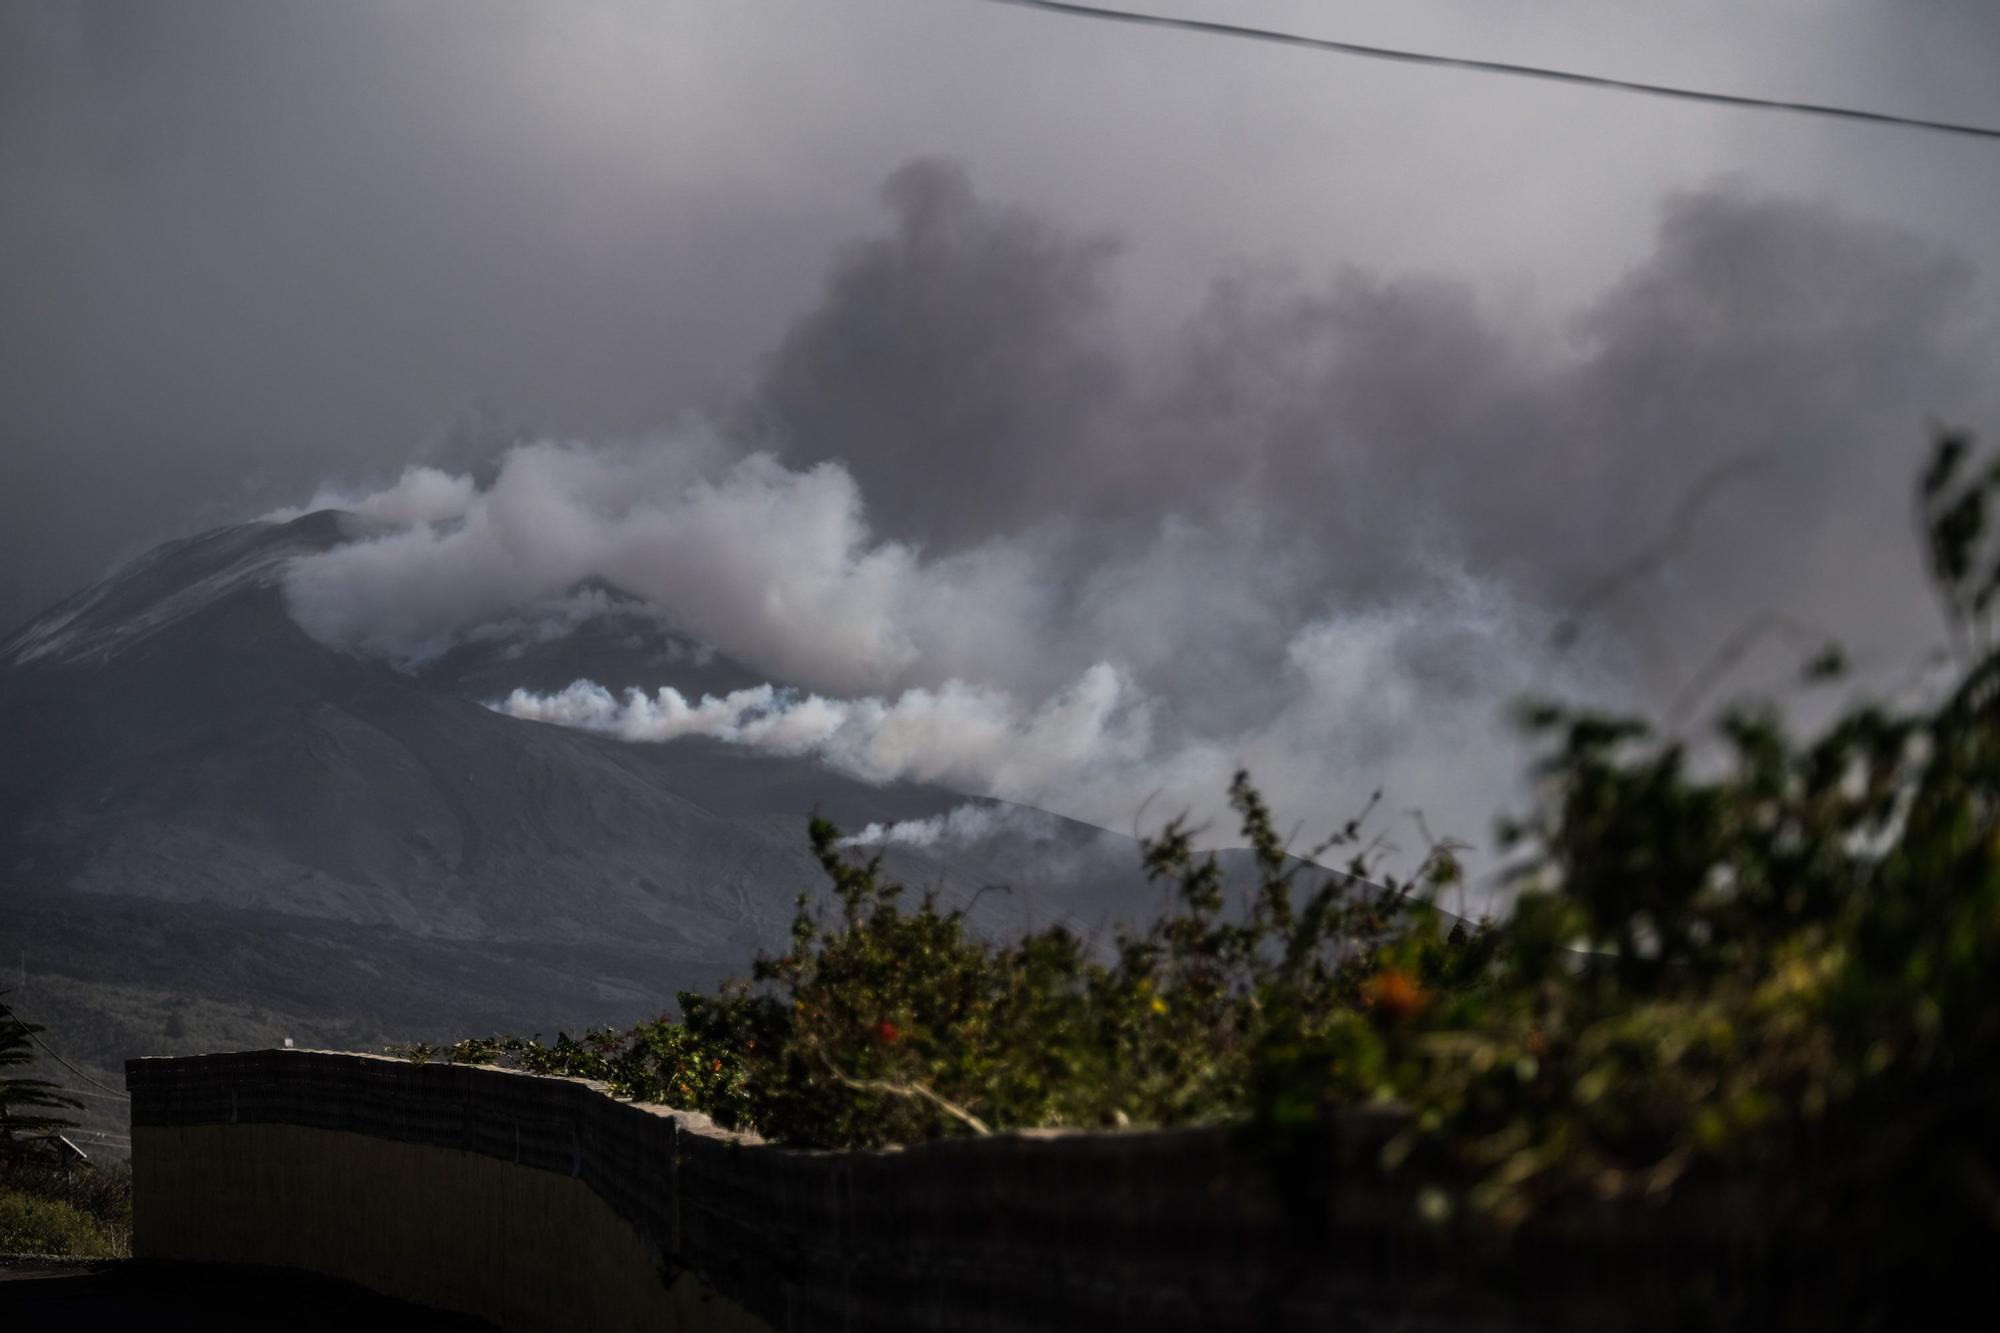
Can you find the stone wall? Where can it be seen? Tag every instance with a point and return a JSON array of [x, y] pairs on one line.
[[542, 1203]]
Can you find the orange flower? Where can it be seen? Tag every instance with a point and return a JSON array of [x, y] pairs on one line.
[[1396, 994]]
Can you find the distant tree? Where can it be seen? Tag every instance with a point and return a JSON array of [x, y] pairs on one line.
[[30, 1108]]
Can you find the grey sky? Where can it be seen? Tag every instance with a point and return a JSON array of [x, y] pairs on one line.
[[246, 244], [1261, 319]]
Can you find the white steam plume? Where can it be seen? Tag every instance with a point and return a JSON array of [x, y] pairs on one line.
[[965, 825], [1024, 848], [421, 495], [996, 672], [1402, 696], [770, 565], [959, 735]]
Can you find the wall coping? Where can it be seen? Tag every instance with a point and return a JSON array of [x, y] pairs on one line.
[[1183, 1228]]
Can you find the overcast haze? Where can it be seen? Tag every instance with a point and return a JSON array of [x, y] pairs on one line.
[[1241, 402]]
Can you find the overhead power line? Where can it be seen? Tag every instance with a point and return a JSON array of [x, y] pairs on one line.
[[1212, 29], [50, 1052]]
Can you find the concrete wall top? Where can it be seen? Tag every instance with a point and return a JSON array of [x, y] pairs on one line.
[[1187, 1229]]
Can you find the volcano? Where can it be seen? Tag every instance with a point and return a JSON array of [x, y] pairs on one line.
[[215, 830]]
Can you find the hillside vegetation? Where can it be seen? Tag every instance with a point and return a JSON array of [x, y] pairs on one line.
[[85, 1212], [47, 1205], [1773, 958]]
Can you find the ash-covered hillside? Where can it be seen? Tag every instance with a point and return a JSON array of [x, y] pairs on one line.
[[214, 829]]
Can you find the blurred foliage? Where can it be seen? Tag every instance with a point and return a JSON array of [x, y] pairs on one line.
[[888, 1022], [1756, 955], [33, 1224], [77, 1209]]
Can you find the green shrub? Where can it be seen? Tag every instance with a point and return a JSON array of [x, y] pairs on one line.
[[102, 1191], [886, 1022], [32, 1224]]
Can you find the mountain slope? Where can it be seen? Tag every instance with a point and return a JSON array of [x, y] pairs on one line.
[[200, 801]]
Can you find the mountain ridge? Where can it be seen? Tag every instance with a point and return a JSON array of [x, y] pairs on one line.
[[186, 763]]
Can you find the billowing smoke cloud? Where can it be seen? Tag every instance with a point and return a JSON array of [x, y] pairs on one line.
[[1324, 531], [774, 566], [250, 246], [983, 653], [969, 347]]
